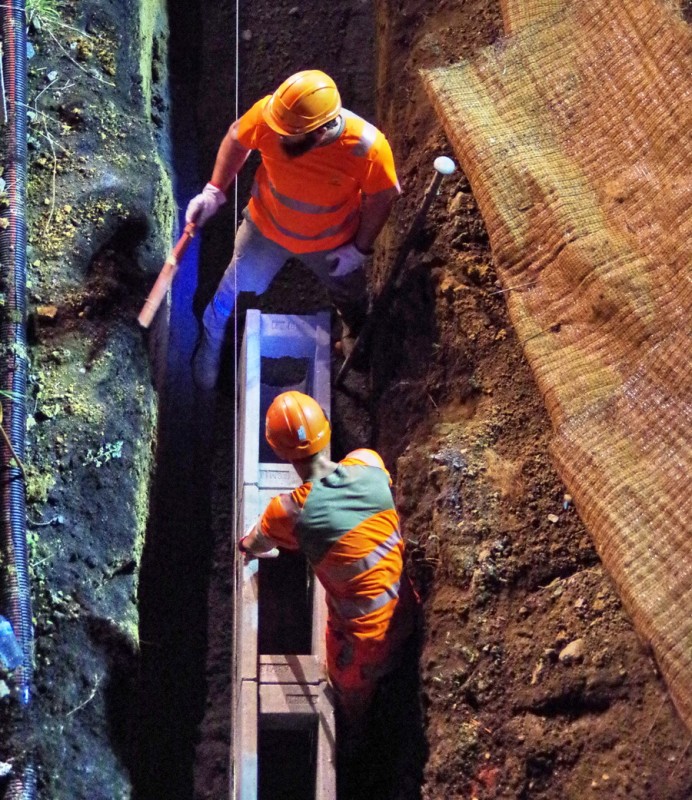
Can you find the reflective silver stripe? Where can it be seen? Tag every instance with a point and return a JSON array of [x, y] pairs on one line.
[[344, 572], [367, 140], [299, 205], [290, 507], [324, 234], [367, 137], [352, 609]]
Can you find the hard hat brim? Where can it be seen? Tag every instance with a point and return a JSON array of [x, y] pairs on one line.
[[271, 121]]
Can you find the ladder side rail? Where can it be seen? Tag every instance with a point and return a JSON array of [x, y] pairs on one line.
[[321, 390], [244, 716], [284, 691]]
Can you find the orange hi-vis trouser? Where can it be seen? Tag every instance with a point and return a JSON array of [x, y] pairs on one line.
[[355, 665]]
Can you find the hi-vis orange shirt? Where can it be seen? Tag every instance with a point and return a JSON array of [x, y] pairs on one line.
[[348, 528], [312, 202]]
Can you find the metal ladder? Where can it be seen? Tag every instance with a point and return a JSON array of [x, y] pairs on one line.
[[277, 691]]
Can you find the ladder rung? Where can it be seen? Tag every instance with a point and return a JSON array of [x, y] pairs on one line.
[[292, 669], [294, 699]]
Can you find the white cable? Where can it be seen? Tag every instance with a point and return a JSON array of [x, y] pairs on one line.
[[236, 427], [233, 771]]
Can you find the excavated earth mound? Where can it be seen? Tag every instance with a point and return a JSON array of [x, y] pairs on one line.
[[575, 138]]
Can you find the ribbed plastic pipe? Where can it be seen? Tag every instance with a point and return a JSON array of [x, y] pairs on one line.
[[16, 597]]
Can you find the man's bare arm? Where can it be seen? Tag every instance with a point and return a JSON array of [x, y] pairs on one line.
[[374, 213], [255, 542], [229, 160]]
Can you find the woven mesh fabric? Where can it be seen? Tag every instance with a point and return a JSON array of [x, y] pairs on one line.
[[576, 135], [520, 14]]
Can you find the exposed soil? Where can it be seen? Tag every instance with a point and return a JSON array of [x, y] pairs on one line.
[[533, 683]]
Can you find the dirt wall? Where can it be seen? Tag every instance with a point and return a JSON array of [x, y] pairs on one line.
[[534, 683], [100, 215]]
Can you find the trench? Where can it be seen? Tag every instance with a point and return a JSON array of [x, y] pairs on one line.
[[186, 580], [178, 552]]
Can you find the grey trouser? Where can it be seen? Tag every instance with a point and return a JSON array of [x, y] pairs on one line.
[[256, 261]]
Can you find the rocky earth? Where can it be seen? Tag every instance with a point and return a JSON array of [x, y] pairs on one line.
[[532, 681]]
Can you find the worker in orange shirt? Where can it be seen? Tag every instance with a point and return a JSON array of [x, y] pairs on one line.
[[322, 193], [343, 519]]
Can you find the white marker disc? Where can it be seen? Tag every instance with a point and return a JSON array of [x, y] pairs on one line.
[[444, 165]]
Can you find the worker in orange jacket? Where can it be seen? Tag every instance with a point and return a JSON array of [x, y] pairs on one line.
[[343, 519], [322, 193]]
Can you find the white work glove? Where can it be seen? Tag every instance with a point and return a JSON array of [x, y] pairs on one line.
[[346, 259], [203, 206]]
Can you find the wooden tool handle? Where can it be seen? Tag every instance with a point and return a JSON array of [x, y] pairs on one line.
[[165, 278]]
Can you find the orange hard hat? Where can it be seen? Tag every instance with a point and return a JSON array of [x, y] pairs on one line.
[[303, 103], [296, 426]]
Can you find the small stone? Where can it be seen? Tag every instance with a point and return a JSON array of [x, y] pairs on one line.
[[553, 518], [4, 689], [47, 313], [574, 651], [52, 76], [294, 11], [561, 638], [537, 671], [580, 603], [246, 35], [455, 203]]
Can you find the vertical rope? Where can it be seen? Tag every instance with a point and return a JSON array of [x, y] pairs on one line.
[[235, 280], [234, 467]]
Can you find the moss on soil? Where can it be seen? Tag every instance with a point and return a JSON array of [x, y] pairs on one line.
[[101, 213]]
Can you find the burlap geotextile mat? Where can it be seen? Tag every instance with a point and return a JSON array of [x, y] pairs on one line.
[[576, 135]]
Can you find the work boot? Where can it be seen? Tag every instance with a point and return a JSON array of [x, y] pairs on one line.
[[206, 361]]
